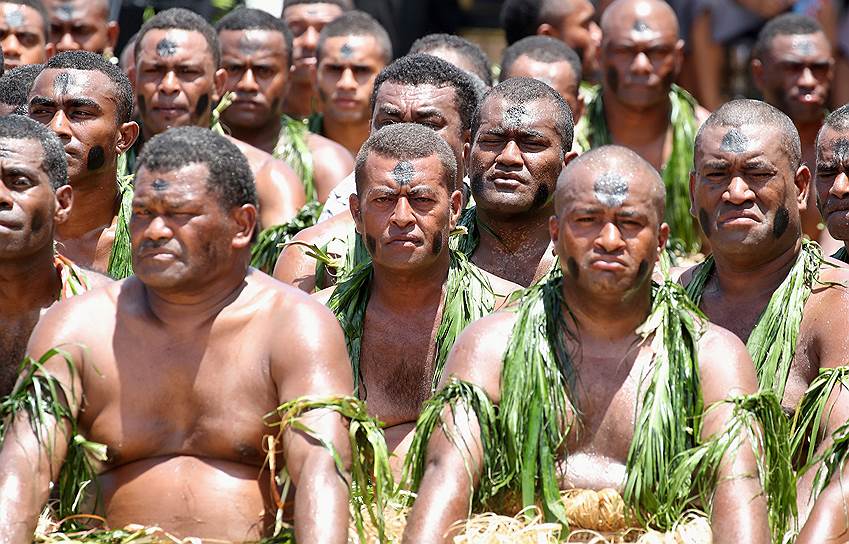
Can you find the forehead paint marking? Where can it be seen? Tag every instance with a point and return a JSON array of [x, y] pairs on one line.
[[610, 189], [346, 51], [65, 12], [803, 44], [403, 173], [734, 141], [166, 48], [249, 42], [841, 150], [516, 116], [641, 26], [14, 16], [67, 83], [159, 184]]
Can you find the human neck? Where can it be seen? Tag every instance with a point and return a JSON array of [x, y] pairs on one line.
[[410, 290], [808, 133], [95, 204], [634, 127], [742, 276], [298, 102], [509, 233], [28, 283], [608, 319], [263, 137], [349, 136]]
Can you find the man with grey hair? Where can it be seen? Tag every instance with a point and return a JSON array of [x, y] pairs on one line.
[[832, 183], [405, 207], [763, 281]]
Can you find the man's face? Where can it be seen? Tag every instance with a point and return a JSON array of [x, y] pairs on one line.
[[832, 181], [796, 75], [405, 212], [80, 25], [608, 233], [428, 105], [21, 35], [306, 21], [175, 80], [181, 235], [745, 192], [80, 107], [346, 73], [578, 30], [640, 57], [557, 75], [257, 72], [27, 201], [516, 157]]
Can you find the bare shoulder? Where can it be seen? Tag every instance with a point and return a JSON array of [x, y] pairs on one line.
[[325, 149], [256, 157], [96, 279], [501, 287], [725, 366], [701, 114], [831, 293], [323, 296], [294, 266]]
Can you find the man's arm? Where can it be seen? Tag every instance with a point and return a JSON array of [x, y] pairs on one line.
[[280, 193], [30, 460], [331, 164], [445, 491], [739, 508], [311, 359]]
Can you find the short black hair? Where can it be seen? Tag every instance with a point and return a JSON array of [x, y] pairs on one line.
[[181, 19], [837, 120], [788, 24], [356, 23], [15, 84], [344, 5], [470, 51], [85, 60], [38, 6], [256, 19], [2, 63], [55, 164], [541, 49], [405, 142], [230, 176], [522, 90], [746, 112], [423, 69], [521, 18]]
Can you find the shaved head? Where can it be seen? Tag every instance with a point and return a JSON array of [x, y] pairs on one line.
[[639, 15]]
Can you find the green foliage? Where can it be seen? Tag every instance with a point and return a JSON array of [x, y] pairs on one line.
[[293, 149], [121, 256], [271, 241]]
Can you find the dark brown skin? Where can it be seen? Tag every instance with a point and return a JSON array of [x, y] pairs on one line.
[[639, 68], [84, 116], [739, 195], [578, 29], [557, 75], [407, 290], [82, 25], [22, 36], [831, 181], [182, 418], [345, 79], [427, 105], [795, 76], [609, 297], [511, 165], [171, 91], [258, 73], [305, 21]]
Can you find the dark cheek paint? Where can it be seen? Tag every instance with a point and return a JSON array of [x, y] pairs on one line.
[[704, 221], [782, 221], [39, 219], [643, 269], [96, 158], [438, 242], [371, 244], [275, 105], [540, 198], [160, 184], [572, 265], [613, 79], [202, 106]]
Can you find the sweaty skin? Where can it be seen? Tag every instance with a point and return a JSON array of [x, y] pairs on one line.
[[258, 73], [82, 25], [558, 75], [22, 36], [744, 198], [182, 419], [609, 299]]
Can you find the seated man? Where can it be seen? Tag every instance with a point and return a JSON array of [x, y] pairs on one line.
[[34, 198], [405, 207], [581, 353], [178, 83], [174, 368], [88, 102], [23, 32], [832, 184], [763, 282], [82, 25], [256, 51]]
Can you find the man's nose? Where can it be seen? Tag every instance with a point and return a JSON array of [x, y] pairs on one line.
[[642, 64], [402, 216], [610, 239], [67, 43], [840, 187], [738, 191], [511, 155]]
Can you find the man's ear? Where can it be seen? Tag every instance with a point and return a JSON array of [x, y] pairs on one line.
[[662, 238], [356, 212], [578, 112], [456, 202], [802, 181], [245, 218], [757, 69], [692, 193], [112, 32], [128, 133], [546, 29], [220, 79], [49, 50], [679, 57], [554, 229], [64, 203], [569, 157]]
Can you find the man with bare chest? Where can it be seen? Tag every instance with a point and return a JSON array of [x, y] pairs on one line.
[[88, 103], [179, 83], [398, 311], [831, 177], [521, 139], [174, 368], [579, 352], [34, 198], [763, 282]]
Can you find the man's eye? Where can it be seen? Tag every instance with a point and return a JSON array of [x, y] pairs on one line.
[[20, 181]]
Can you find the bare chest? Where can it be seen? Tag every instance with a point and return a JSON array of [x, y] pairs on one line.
[[14, 335], [89, 251], [523, 267]]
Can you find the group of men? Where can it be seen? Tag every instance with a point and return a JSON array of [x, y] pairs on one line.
[[490, 276]]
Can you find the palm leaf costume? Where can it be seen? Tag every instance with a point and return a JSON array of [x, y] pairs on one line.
[[73, 280], [841, 255], [772, 343], [468, 296], [121, 255], [591, 132], [271, 241], [669, 468], [292, 148]]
